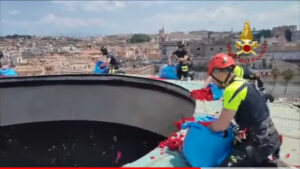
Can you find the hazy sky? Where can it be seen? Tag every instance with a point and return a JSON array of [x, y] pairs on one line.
[[114, 17]]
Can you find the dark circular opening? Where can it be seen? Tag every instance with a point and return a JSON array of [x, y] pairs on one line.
[[74, 144]]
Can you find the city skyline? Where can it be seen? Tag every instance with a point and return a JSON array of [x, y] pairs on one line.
[[94, 18]]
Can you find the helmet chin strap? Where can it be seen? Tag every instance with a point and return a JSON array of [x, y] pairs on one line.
[[224, 82]]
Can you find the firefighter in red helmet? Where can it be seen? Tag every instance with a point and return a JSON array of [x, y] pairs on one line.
[[244, 104]]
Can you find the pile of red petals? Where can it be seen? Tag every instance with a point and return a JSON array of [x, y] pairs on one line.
[[204, 94], [173, 143]]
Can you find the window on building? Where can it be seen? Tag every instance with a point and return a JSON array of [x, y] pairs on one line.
[[198, 48], [164, 51], [221, 49], [211, 49]]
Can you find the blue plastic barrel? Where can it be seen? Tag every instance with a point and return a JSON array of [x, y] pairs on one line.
[[99, 70], [8, 72], [168, 72], [204, 148]]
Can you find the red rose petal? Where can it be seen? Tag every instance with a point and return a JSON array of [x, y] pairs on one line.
[[119, 156], [287, 155], [204, 94]]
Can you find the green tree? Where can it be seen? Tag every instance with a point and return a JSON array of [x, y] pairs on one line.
[[139, 38], [287, 75], [275, 73], [265, 33]]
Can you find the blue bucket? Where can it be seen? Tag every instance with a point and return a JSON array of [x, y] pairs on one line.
[[99, 70], [8, 72], [168, 72], [204, 148]]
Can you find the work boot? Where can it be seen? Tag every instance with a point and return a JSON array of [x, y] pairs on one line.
[[191, 75], [268, 163], [120, 72], [269, 97], [274, 163]]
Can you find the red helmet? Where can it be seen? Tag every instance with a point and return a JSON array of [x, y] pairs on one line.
[[220, 60]]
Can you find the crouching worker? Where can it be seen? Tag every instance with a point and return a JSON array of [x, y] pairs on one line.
[[244, 104], [111, 60], [184, 61]]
